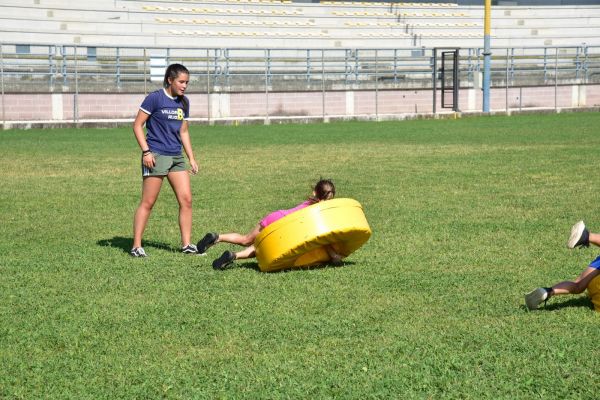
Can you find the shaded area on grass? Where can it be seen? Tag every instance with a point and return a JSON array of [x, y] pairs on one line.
[[124, 243], [254, 266], [560, 302]]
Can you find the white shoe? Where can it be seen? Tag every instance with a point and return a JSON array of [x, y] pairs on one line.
[[189, 249], [533, 299], [579, 236], [138, 252]]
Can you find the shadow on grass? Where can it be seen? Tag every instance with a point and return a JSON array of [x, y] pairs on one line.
[[254, 266], [124, 244], [581, 301]]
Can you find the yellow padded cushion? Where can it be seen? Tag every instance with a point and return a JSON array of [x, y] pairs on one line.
[[594, 292], [298, 239]]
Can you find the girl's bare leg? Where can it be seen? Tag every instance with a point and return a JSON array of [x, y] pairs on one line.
[[248, 252], [242, 240], [180, 182], [150, 189]]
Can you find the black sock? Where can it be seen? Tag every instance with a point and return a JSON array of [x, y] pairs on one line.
[[585, 238]]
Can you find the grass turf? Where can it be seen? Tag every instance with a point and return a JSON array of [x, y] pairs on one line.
[[467, 215]]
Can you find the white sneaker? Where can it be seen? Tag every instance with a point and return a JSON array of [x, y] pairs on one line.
[[189, 249], [533, 299], [580, 236], [138, 252]]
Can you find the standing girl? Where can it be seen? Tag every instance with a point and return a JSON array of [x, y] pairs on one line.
[[165, 113]]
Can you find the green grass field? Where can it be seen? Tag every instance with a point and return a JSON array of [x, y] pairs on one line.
[[467, 215]]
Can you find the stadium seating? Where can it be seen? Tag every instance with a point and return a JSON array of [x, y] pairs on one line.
[[282, 23]]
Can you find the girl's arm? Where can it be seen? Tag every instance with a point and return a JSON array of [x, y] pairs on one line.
[[138, 131], [335, 258], [187, 146]]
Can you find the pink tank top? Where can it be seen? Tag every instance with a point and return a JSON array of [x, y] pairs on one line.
[[275, 215]]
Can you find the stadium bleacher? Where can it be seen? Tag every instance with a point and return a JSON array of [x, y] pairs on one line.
[[283, 24], [264, 58]]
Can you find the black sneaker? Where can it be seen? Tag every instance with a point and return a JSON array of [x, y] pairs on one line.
[[208, 240], [226, 258], [189, 249], [138, 252], [580, 236]]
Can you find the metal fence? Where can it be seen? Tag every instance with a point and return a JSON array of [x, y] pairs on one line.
[[84, 69], [89, 69]]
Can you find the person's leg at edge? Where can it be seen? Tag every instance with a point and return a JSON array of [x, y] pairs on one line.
[[595, 238], [150, 189], [180, 182], [578, 285]]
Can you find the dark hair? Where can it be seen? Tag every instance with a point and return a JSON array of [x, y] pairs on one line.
[[172, 73], [324, 190]]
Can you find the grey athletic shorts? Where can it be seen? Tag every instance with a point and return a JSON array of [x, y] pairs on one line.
[[164, 164]]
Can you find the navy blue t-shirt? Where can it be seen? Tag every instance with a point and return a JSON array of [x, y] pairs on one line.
[[162, 127]]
